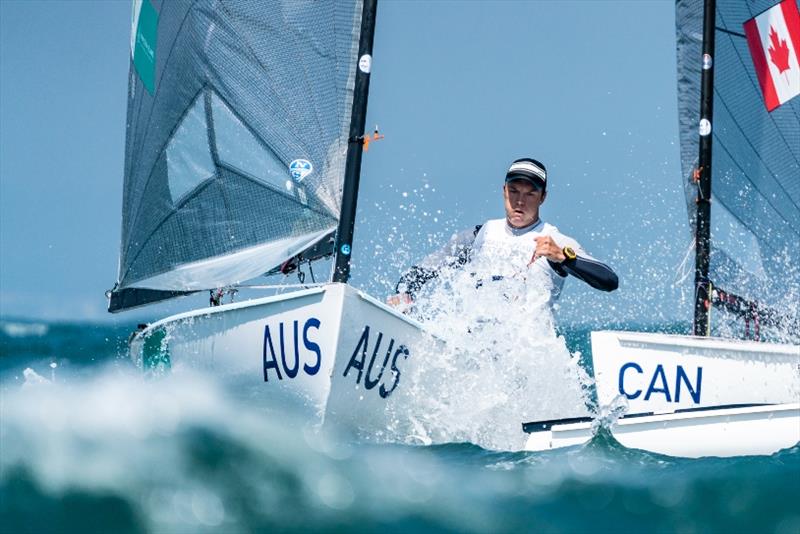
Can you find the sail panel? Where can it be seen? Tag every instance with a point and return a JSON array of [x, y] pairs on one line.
[[238, 142], [215, 272], [755, 159]]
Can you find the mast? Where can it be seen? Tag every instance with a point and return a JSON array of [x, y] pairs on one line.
[[352, 173], [702, 284]]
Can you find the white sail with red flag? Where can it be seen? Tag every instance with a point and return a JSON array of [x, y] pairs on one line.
[[774, 41]]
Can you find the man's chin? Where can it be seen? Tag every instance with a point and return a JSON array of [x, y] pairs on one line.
[[519, 222]]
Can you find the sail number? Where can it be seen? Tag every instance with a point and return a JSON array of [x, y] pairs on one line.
[[658, 383], [376, 375], [290, 352]]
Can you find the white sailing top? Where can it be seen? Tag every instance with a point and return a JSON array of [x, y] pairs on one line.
[[500, 250]]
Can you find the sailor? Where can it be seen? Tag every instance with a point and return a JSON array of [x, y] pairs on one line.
[[519, 245]]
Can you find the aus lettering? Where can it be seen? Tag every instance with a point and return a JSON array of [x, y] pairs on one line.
[[659, 384], [373, 370], [287, 360]]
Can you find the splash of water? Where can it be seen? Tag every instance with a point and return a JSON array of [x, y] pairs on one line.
[[501, 363]]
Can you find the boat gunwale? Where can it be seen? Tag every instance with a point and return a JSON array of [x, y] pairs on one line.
[[702, 342], [642, 418]]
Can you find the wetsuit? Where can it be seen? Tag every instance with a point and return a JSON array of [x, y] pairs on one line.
[[497, 248]]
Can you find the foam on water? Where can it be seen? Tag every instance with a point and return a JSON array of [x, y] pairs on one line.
[[21, 330]]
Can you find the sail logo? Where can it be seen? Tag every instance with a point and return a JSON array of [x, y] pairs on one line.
[[372, 376], [630, 383], [300, 168], [291, 356], [144, 36]]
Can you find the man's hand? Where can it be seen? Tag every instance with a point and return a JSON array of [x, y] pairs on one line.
[[547, 248], [401, 301]]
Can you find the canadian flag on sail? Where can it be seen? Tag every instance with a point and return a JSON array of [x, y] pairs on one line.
[[774, 41]]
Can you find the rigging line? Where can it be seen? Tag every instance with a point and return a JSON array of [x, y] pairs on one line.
[[755, 150], [682, 266], [757, 89], [311, 272], [280, 286], [729, 32], [725, 148]]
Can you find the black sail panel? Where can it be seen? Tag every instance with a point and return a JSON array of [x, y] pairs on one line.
[[755, 217], [238, 118]]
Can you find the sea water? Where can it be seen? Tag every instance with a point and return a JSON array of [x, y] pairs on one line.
[[88, 445]]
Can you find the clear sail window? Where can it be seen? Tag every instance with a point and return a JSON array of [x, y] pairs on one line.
[[238, 148], [189, 161]]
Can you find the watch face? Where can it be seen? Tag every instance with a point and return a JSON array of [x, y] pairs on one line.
[[569, 253]]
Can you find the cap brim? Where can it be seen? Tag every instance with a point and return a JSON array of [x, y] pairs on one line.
[[536, 182]]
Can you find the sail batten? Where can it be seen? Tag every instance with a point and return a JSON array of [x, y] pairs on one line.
[[238, 119]]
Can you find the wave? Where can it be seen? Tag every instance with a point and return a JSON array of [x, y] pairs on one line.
[[20, 330], [116, 452]]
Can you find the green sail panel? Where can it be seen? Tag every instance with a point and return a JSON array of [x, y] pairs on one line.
[[237, 135], [145, 39]]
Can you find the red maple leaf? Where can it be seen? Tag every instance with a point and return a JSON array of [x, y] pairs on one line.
[[778, 51]]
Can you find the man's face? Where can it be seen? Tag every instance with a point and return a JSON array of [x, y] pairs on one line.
[[522, 201]]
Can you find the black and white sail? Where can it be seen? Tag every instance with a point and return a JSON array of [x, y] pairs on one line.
[[755, 214], [237, 135]]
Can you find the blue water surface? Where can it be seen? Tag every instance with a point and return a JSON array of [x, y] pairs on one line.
[[97, 449]]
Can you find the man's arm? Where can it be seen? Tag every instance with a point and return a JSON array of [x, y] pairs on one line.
[[412, 280], [455, 254], [596, 274]]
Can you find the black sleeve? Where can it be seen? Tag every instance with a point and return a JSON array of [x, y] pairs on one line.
[[413, 280], [596, 274], [416, 277]]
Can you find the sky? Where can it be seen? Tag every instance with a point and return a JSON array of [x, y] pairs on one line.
[[459, 89]]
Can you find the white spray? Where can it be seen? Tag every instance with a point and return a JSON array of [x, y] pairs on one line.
[[501, 363]]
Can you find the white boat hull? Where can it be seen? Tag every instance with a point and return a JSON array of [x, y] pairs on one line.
[[327, 354], [335, 355], [756, 430], [688, 396], [663, 373]]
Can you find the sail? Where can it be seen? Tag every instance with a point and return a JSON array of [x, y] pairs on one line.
[[237, 134], [755, 213]]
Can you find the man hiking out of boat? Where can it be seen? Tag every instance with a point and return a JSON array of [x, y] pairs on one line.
[[520, 245]]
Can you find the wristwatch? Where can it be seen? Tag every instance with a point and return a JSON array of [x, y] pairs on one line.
[[569, 253]]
